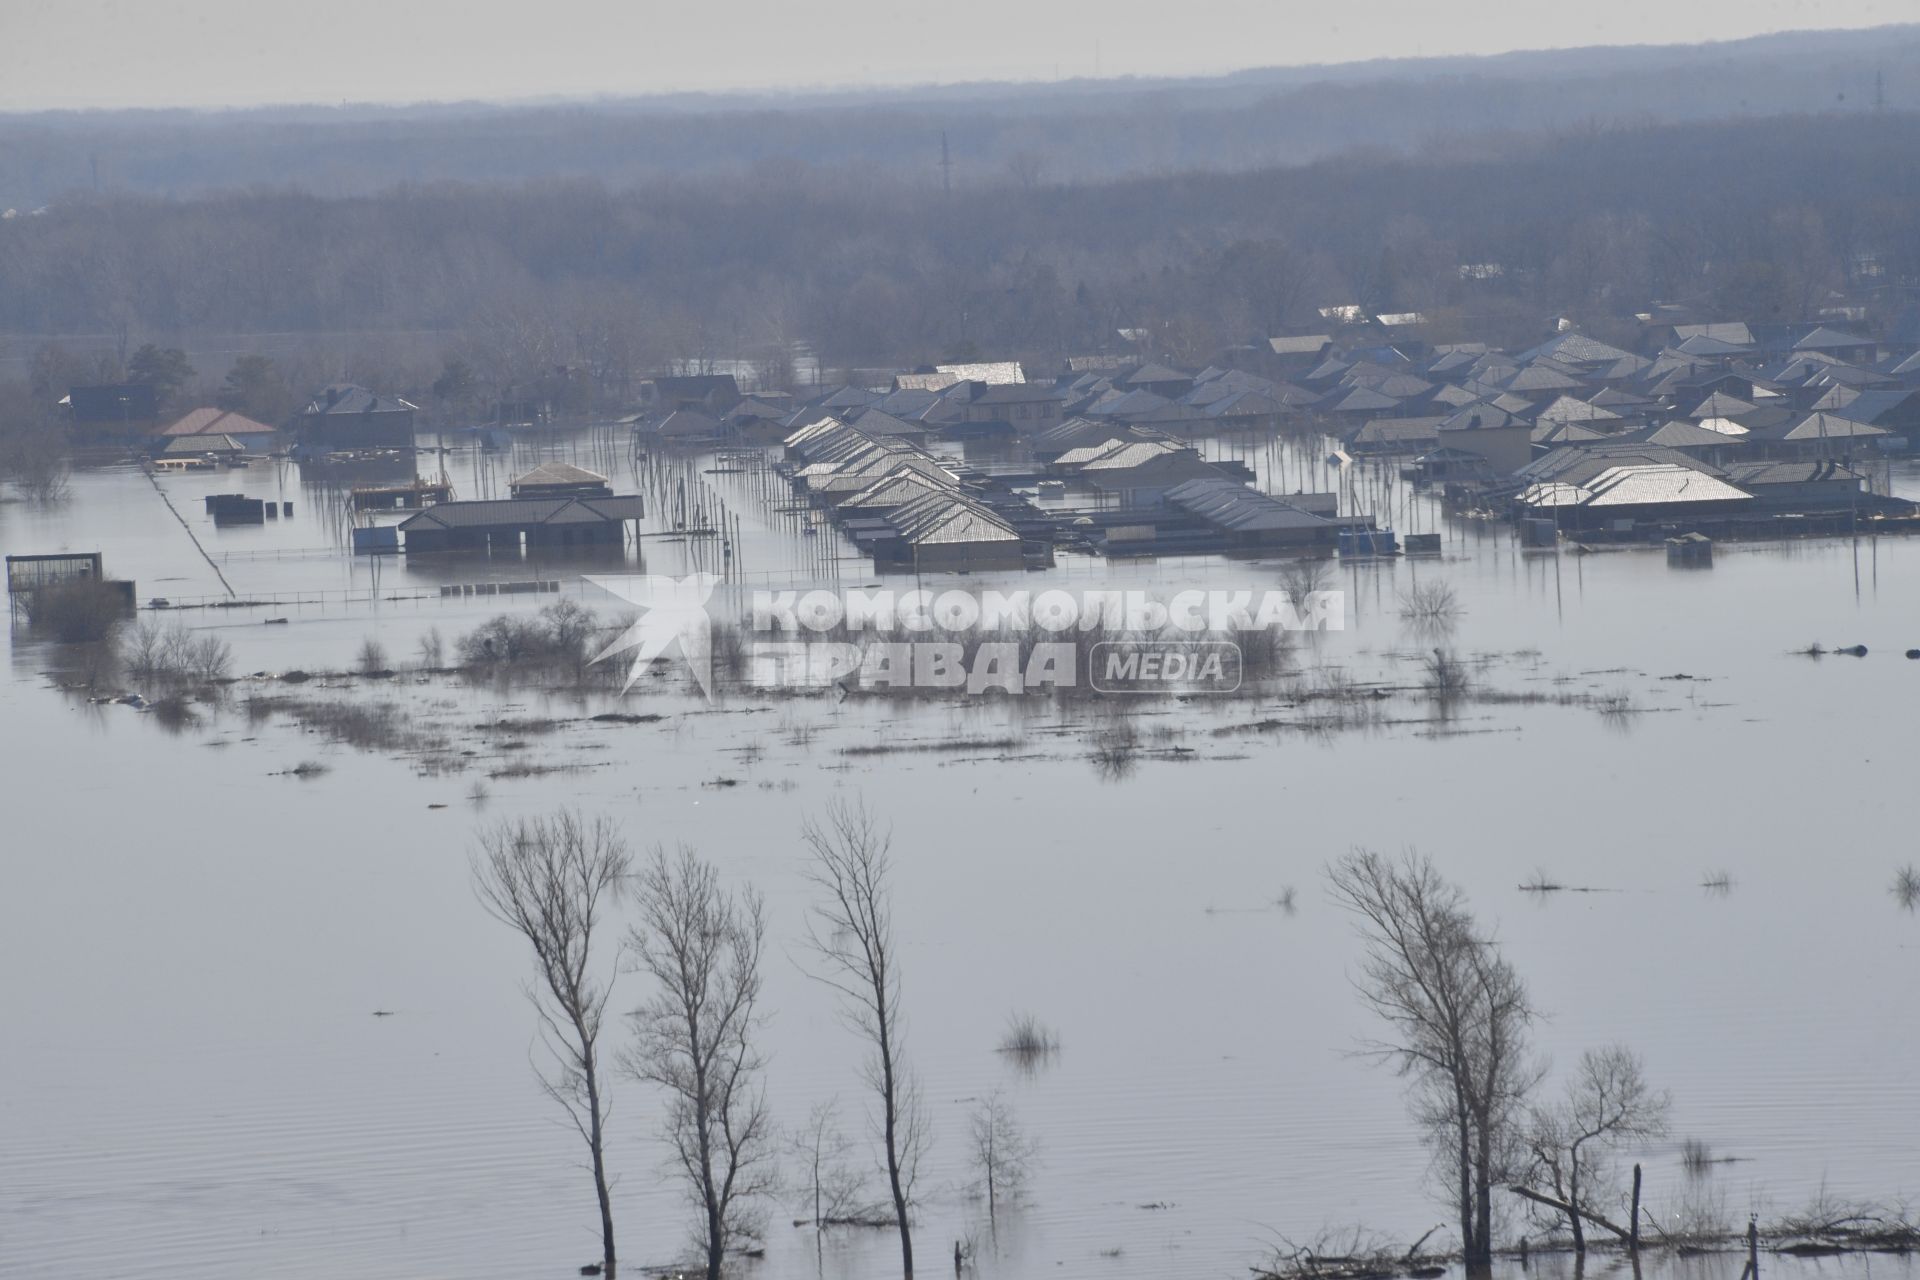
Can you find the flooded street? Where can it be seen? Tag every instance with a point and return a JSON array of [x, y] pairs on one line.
[[194, 945]]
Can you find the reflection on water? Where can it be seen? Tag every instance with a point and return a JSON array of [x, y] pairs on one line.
[[194, 939]]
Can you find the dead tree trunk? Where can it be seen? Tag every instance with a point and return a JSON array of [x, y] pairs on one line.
[[1528, 1193]]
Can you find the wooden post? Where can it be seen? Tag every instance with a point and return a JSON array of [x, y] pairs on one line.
[[1633, 1223]]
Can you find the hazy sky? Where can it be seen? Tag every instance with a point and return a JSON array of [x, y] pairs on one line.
[[71, 53]]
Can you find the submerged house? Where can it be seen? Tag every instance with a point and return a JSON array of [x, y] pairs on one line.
[[713, 394], [1244, 519], [1134, 472], [112, 410], [256, 437], [1616, 486], [344, 417], [942, 532], [1501, 439], [208, 448], [507, 526], [560, 480]]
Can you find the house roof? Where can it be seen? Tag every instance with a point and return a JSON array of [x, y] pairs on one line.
[[1149, 374], [1231, 505], [1309, 344], [1541, 377], [1634, 485], [344, 397], [1578, 464], [993, 373], [1722, 405], [878, 422], [1554, 433], [559, 473], [1822, 426], [1479, 417], [1824, 338], [1871, 406], [1571, 409], [1756, 474], [211, 421], [1703, 347], [1734, 331], [1396, 431], [1358, 400], [899, 488], [524, 512], [948, 518], [1575, 348], [1681, 434], [202, 443], [687, 422]]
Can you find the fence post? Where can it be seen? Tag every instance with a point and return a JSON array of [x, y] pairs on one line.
[[1633, 1223]]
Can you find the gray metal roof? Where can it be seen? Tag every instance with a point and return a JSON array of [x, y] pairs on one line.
[[1229, 504], [525, 512]]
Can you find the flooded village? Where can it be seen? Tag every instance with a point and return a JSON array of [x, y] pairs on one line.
[[1276, 762], [401, 640]]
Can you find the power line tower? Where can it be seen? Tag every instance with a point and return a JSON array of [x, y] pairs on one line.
[[1879, 91], [946, 165]]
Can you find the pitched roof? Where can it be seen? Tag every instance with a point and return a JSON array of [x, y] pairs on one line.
[[1722, 405], [1570, 409], [344, 397], [1575, 348], [1634, 485], [524, 512], [1700, 345], [211, 421], [1734, 331], [1824, 338], [993, 373], [1578, 464], [202, 443], [556, 473], [1822, 426], [1753, 474], [1232, 505], [687, 422], [1680, 434], [1385, 431]]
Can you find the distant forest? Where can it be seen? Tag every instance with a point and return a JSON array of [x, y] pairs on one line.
[[1073, 131], [1201, 239]]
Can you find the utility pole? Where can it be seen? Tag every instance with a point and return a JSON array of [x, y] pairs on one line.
[[946, 165]]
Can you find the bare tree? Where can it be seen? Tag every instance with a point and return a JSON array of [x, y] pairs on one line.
[[551, 879], [1457, 1016], [851, 936], [1607, 1104], [1003, 1155], [695, 1037], [833, 1189]]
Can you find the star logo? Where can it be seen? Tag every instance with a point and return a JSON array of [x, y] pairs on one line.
[[673, 611]]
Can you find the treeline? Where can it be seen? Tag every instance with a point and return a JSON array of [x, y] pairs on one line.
[[1078, 131], [1758, 220]]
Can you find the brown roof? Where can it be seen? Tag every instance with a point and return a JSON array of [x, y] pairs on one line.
[[209, 421]]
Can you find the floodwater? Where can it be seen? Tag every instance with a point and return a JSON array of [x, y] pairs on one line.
[[192, 945]]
